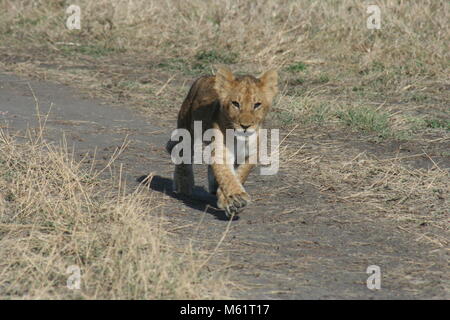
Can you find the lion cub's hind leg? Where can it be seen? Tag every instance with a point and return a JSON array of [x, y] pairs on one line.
[[183, 179]]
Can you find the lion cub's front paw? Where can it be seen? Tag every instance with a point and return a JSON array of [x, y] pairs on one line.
[[232, 204]]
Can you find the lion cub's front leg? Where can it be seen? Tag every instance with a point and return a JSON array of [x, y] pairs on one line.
[[212, 182], [239, 200], [231, 195], [233, 199], [242, 172]]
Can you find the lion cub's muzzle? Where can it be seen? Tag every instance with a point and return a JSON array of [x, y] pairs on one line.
[[245, 130]]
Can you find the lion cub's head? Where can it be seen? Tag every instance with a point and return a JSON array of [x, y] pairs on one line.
[[245, 100]]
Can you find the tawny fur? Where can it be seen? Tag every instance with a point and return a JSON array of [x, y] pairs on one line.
[[225, 101]]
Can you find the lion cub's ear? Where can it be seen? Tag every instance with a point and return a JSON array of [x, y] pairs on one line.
[[224, 82], [269, 84]]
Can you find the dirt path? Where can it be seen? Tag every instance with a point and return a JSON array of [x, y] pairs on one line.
[[294, 242]]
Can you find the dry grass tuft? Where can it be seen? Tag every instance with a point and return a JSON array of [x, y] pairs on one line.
[[54, 213], [384, 187]]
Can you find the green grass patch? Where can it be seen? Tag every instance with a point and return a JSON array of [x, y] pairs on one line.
[[367, 120], [182, 65], [200, 64], [284, 117], [296, 67], [297, 81], [126, 84], [213, 56], [438, 124], [419, 97], [173, 64], [417, 123], [90, 50], [323, 78], [29, 22], [319, 114], [376, 66]]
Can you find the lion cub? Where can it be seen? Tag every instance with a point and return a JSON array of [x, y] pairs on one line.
[[222, 102]]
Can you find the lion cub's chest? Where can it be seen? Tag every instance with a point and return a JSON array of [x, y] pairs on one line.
[[243, 148]]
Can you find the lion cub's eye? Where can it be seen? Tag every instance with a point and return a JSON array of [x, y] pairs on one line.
[[257, 105], [236, 104]]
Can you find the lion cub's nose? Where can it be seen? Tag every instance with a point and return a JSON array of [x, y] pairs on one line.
[[245, 127]]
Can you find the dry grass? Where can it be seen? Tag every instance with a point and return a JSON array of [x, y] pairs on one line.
[[385, 187], [267, 31], [55, 212]]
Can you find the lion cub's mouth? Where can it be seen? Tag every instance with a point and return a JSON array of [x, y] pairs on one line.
[[241, 133]]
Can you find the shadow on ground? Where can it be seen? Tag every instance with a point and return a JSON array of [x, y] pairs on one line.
[[200, 200]]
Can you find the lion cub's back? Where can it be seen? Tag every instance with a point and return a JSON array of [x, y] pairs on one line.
[[200, 104], [202, 91]]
